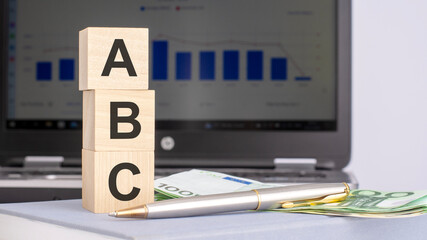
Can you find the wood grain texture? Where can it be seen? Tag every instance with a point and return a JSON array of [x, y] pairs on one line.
[[96, 120], [97, 166], [94, 48]]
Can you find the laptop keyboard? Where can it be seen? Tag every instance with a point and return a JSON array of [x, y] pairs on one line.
[[297, 174], [263, 175], [40, 173]]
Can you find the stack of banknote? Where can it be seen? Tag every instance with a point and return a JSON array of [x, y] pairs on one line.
[[369, 203], [359, 203]]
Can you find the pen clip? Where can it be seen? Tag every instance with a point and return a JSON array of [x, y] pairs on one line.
[[322, 200]]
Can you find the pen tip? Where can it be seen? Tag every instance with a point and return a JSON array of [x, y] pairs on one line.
[[112, 214]]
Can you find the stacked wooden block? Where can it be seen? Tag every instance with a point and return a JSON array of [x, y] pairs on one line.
[[118, 119]]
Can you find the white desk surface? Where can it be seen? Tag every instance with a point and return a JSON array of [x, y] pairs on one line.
[[70, 219]]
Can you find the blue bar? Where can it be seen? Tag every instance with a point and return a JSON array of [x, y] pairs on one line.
[[237, 180], [254, 65], [302, 78], [231, 65], [44, 71], [66, 69], [279, 69], [207, 66], [160, 60], [183, 66]]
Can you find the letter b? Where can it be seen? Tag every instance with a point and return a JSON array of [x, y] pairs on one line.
[[118, 120], [115, 120]]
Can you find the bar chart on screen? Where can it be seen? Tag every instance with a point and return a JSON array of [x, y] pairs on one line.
[[208, 59], [202, 59], [66, 70], [205, 68], [50, 69]]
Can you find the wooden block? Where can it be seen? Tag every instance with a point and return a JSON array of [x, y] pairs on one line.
[[116, 180], [113, 58], [104, 131]]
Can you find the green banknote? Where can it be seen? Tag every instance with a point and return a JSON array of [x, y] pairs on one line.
[[359, 203], [370, 203]]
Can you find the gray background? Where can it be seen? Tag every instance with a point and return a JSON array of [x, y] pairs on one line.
[[389, 149]]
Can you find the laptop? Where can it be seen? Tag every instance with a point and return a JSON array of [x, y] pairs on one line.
[[258, 89]]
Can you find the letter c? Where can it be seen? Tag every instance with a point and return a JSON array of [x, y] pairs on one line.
[[112, 181]]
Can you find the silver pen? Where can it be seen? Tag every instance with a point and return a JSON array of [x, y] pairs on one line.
[[260, 199]]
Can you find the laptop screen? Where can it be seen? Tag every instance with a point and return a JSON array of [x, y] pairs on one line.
[[215, 65]]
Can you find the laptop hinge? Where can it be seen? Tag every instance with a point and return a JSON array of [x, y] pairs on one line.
[[295, 163], [43, 161]]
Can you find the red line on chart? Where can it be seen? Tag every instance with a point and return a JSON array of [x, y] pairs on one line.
[[255, 44]]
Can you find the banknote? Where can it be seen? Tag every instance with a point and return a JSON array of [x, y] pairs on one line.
[[370, 203], [200, 182], [359, 203]]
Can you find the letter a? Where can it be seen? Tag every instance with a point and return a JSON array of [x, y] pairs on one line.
[[118, 44]]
